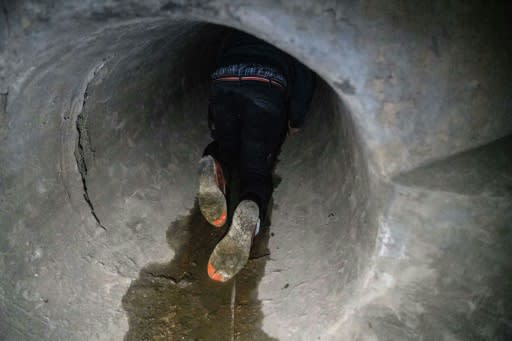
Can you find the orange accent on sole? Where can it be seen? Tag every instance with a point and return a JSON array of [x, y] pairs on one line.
[[214, 274], [221, 221], [219, 173]]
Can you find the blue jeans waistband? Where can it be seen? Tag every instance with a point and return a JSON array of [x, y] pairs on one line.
[[247, 70]]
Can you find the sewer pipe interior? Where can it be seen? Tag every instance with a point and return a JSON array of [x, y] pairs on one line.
[[138, 147], [390, 219]]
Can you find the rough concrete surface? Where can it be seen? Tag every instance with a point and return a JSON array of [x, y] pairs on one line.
[[392, 219]]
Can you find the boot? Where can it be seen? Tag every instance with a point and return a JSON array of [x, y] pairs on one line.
[[232, 252], [212, 191]]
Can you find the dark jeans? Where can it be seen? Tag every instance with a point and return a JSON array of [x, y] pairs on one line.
[[248, 124]]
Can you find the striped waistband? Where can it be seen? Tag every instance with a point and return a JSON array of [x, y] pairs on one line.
[[247, 70]]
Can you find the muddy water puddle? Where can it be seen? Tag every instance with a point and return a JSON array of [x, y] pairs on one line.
[[178, 301]]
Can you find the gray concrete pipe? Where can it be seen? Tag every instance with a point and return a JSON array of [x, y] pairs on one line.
[[391, 220]]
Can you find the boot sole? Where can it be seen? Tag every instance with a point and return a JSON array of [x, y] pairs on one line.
[[212, 201], [232, 252]]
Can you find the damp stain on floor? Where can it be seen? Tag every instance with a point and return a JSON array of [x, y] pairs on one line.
[[178, 301]]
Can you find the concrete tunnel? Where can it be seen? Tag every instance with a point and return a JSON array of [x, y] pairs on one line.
[[392, 219]]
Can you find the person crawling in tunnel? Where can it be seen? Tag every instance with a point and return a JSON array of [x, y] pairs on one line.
[[259, 94]]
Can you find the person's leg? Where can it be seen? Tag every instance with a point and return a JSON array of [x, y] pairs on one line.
[[263, 123], [220, 155], [262, 134], [224, 110]]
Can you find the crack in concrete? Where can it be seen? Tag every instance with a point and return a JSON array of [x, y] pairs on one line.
[[169, 278], [83, 150], [5, 13], [3, 104], [82, 168], [3, 115]]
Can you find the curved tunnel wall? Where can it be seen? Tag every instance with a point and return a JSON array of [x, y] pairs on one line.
[[363, 256], [140, 146]]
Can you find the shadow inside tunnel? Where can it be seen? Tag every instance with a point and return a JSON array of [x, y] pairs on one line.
[[178, 301]]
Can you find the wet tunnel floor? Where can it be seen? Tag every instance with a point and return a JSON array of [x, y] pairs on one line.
[[178, 301]]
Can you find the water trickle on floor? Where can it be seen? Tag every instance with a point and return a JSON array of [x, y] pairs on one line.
[[178, 301]]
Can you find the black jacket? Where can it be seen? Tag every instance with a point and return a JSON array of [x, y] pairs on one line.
[[242, 48]]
